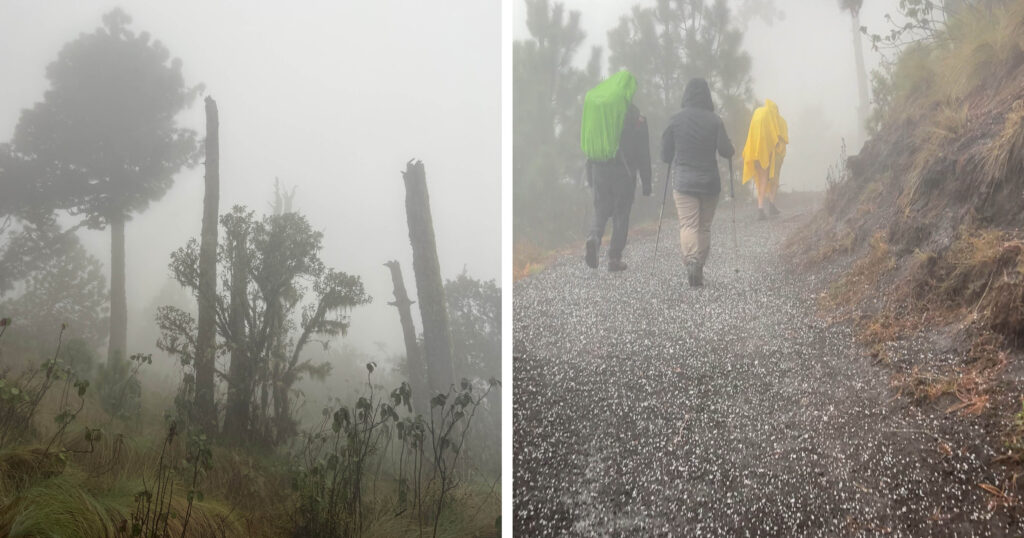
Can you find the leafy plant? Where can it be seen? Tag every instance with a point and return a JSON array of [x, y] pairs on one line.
[[118, 386], [153, 504], [335, 458], [19, 398], [454, 414], [200, 457], [66, 416]]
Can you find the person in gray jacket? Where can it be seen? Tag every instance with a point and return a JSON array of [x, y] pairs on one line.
[[689, 145]]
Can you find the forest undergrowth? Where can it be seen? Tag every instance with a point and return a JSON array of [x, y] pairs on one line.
[[370, 468]]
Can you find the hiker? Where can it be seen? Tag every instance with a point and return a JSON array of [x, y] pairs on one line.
[[763, 155], [614, 137], [689, 146]]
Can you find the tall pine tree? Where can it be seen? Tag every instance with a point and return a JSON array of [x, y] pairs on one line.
[[104, 143]]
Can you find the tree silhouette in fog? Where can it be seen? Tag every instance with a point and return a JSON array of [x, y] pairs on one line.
[[48, 279], [104, 142], [474, 308], [547, 93], [275, 297]]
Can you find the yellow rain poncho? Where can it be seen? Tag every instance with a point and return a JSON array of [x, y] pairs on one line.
[[780, 147], [766, 142]]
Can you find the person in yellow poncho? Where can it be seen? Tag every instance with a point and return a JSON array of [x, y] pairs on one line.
[[764, 153]]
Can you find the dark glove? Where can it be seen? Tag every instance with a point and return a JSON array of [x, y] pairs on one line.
[[647, 189]]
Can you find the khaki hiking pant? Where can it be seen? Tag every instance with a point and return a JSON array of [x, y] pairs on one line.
[[695, 214]]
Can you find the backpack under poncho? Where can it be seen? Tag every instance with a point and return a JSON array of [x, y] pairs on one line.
[[604, 112]]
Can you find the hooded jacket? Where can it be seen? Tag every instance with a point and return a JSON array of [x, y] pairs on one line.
[[691, 141]]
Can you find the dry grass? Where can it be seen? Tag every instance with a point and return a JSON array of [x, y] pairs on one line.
[[1002, 158], [863, 277], [980, 279], [986, 42], [528, 259], [931, 145], [972, 384]]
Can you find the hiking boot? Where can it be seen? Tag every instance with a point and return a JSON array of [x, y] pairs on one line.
[[591, 256], [698, 275], [760, 214], [615, 265], [772, 210], [693, 275]]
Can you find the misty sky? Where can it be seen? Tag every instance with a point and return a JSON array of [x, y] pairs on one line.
[[804, 63], [332, 97]]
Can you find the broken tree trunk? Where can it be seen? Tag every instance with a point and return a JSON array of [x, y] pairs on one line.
[[414, 363], [206, 339], [437, 338]]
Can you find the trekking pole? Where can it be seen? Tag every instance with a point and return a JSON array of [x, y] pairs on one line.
[[732, 194], [664, 196]]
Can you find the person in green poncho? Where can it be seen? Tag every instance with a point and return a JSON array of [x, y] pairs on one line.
[[614, 136]]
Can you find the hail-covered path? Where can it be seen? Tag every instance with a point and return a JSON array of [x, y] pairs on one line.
[[645, 408]]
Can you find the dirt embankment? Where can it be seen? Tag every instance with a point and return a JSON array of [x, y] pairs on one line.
[[927, 222]]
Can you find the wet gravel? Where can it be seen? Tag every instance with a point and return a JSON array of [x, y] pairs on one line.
[[645, 408]]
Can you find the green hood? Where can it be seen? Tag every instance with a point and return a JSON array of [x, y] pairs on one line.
[[604, 111]]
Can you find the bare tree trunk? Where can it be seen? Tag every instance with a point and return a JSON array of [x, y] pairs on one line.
[[276, 364], [414, 362], [118, 297], [207, 325], [862, 79], [437, 338], [237, 414], [284, 427]]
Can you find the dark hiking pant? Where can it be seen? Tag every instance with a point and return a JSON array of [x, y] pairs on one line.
[[614, 190]]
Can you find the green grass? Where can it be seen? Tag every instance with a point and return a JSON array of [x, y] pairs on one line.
[[58, 507]]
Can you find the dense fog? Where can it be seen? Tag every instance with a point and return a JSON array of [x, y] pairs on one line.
[[331, 99]]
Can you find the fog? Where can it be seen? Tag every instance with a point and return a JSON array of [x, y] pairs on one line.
[[804, 62], [333, 98]]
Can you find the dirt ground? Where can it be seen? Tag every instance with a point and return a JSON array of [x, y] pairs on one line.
[[646, 408]]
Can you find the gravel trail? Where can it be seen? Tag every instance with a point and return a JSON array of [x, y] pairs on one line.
[[645, 408]]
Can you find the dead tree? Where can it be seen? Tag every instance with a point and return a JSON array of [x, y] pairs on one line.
[[414, 363], [437, 338], [206, 339]]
